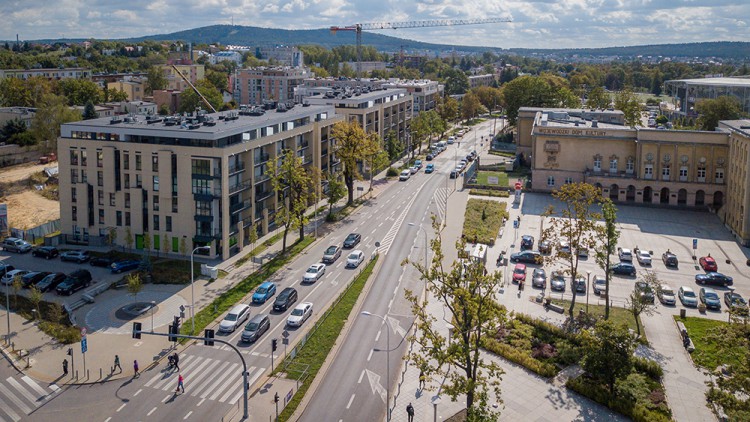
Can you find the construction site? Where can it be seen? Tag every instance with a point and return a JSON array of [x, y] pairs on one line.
[[31, 194]]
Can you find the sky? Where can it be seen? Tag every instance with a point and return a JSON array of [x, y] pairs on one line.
[[535, 23]]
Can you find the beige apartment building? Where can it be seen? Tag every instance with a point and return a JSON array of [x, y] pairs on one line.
[[134, 88], [193, 72], [255, 85], [49, 73], [184, 182]]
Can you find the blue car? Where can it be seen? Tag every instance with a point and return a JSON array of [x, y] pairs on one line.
[[125, 265], [264, 292], [430, 168]]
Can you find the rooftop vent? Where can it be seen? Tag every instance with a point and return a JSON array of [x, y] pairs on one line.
[[594, 123], [115, 120]]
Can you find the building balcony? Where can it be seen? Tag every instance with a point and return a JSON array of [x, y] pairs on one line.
[[262, 178], [204, 218], [239, 187], [262, 158], [207, 236], [235, 208], [236, 168], [261, 196], [606, 174], [206, 194]]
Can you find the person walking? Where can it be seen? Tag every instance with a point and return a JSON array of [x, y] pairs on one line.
[[135, 369], [180, 384], [410, 412], [65, 367], [421, 378], [176, 360], [117, 364]]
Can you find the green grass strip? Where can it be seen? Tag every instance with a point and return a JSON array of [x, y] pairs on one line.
[[320, 343]]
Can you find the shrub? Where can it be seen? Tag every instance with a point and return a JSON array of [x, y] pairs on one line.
[[392, 172], [517, 356], [65, 334], [648, 367], [638, 412], [477, 231], [548, 327], [490, 193]]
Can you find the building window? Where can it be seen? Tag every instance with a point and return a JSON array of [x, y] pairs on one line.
[[156, 203], [168, 223], [683, 174], [101, 216], [202, 208], [597, 164], [74, 213], [126, 161], [613, 165], [174, 204], [99, 158], [100, 178], [719, 176], [155, 163], [74, 157], [701, 173], [201, 167], [127, 219], [73, 195], [111, 199], [155, 182], [550, 181], [648, 171], [83, 157], [568, 180], [127, 181], [118, 217], [138, 181], [665, 173], [100, 197], [156, 222], [127, 199], [84, 176], [73, 175], [137, 162], [629, 166]]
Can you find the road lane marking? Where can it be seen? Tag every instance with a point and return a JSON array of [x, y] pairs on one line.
[[351, 399], [151, 411], [188, 415], [200, 403], [361, 376], [167, 398], [370, 355], [121, 406], [34, 386], [137, 392], [108, 419], [377, 337]]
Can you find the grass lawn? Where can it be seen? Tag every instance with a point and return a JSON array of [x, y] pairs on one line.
[[483, 219], [616, 314], [705, 353], [503, 153], [502, 177]]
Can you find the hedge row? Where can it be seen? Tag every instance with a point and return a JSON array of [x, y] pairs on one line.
[[648, 367], [491, 193], [597, 393], [548, 327], [517, 356]]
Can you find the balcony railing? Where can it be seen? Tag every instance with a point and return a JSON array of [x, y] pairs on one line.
[[261, 196], [607, 174], [262, 158], [207, 236], [239, 206], [239, 187], [262, 178], [236, 168]]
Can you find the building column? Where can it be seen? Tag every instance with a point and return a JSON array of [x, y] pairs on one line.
[[690, 202], [638, 196]]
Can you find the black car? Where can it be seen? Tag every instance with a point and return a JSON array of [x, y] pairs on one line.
[[46, 252], [623, 268], [50, 282], [527, 242], [529, 257], [76, 280], [285, 299], [714, 278], [6, 268], [669, 259], [101, 261], [454, 174], [430, 157], [545, 246], [352, 240], [580, 285], [32, 278], [644, 291]]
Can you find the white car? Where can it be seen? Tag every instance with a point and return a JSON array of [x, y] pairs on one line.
[[600, 285], [300, 314], [644, 257], [687, 296], [405, 175], [314, 273], [355, 258], [625, 255], [666, 295], [234, 318], [11, 275]]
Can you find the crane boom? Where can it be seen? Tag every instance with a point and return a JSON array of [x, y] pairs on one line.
[[359, 27], [184, 78]]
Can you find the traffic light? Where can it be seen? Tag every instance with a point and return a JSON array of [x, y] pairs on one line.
[[209, 337], [276, 397], [136, 330], [273, 344], [174, 329], [171, 336]]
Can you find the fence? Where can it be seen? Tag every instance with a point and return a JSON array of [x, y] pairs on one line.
[[38, 232]]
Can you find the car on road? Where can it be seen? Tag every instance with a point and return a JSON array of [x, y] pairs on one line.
[[101, 261], [455, 173], [557, 282], [430, 168], [50, 282], [580, 284], [331, 254], [404, 175], [430, 156], [352, 240], [519, 273], [735, 300], [710, 298], [714, 278], [666, 295], [527, 242], [545, 247], [669, 259], [46, 252], [451, 140], [264, 292], [75, 255], [625, 255], [623, 268], [10, 276], [687, 296], [124, 265], [644, 291], [528, 257], [300, 314], [708, 263], [76, 280], [314, 272], [285, 299], [539, 278], [256, 327], [14, 244], [354, 259], [418, 164], [413, 169], [600, 285], [235, 318], [32, 278], [643, 257]]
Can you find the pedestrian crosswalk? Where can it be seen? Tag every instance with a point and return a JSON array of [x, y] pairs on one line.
[[441, 199], [20, 396], [207, 378]]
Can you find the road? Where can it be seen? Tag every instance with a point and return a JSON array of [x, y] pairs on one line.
[[20, 395]]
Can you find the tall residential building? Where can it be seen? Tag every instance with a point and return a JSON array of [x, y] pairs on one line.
[[53, 73], [425, 92], [193, 72], [255, 85], [481, 80], [283, 55], [185, 182]]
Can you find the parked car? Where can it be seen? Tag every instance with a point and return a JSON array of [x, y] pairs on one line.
[[527, 242], [75, 255], [300, 314], [708, 263], [564, 246], [669, 259], [124, 265], [580, 285], [354, 259], [430, 156], [582, 252], [557, 282], [735, 300], [418, 164], [50, 282], [10, 276], [529, 257], [451, 140], [76, 280], [413, 169], [264, 292], [46, 252], [709, 298], [539, 278], [32, 278], [404, 175], [234, 318], [519, 273], [352, 240], [430, 168], [101, 261], [666, 295], [644, 291], [625, 255], [454, 173], [623, 268], [687, 296], [643, 257], [314, 273], [287, 297], [256, 328], [331, 254], [14, 244], [4, 268], [714, 278], [600, 285], [545, 247]]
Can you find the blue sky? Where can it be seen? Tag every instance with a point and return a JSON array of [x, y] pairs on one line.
[[536, 23]]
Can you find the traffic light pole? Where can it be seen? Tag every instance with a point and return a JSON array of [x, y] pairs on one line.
[[245, 374]]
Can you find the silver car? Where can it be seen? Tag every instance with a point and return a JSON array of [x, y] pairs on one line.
[[539, 278]]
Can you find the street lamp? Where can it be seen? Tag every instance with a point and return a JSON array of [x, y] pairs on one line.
[[588, 287], [192, 280], [7, 303], [153, 309], [387, 364], [425, 241]]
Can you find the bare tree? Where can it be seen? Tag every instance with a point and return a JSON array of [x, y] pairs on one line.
[[641, 301], [608, 236]]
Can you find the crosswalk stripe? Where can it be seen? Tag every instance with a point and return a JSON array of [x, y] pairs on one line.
[[22, 390], [162, 373], [18, 402], [54, 387], [250, 382], [235, 381], [227, 372], [35, 386], [5, 407], [195, 379], [167, 376], [166, 386], [220, 373], [227, 383]]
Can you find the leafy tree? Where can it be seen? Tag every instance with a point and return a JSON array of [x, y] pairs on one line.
[[456, 82], [576, 225], [112, 237], [448, 108], [638, 304], [79, 91], [627, 102], [608, 352], [353, 145], [292, 185], [12, 128], [470, 106], [489, 97], [35, 297], [252, 237], [722, 108], [147, 243], [118, 95], [157, 80], [135, 285], [50, 114], [189, 100], [220, 80], [17, 285], [656, 81], [89, 112], [466, 291], [393, 146], [166, 245], [128, 238], [336, 190], [567, 98], [608, 235], [731, 390], [183, 246], [527, 91], [418, 129], [164, 110], [598, 98]]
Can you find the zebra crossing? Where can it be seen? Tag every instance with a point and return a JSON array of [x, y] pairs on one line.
[[207, 378], [19, 397], [441, 199]]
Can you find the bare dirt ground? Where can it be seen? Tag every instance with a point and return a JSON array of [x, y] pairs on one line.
[[26, 207], [20, 172]]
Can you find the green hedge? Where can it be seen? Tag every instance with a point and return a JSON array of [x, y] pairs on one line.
[[548, 327], [648, 367], [482, 220], [491, 193], [392, 172], [597, 393], [517, 356]]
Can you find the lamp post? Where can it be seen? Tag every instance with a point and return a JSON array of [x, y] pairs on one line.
[[7, 304], [192, 282], [588, 287], [425, 241], [387, 364], [153, 308]]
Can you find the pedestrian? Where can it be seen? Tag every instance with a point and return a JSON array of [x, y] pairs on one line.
[[180, 384], [410, 412], [176, 358], [421, 378], [117, 364], [65, 367], [135, 369]]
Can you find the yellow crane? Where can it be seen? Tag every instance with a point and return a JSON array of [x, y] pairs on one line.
[[359, 27]]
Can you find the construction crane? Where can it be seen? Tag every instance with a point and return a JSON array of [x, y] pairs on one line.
[[359, 27], [184, 78]]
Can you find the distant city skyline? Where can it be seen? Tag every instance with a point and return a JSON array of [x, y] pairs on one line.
[[536, 23]]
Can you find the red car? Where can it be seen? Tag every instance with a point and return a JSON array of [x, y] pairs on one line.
[[708, 263], [519, 273]]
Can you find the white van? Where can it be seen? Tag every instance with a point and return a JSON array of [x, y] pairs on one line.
[[441, 144], [451, 139]]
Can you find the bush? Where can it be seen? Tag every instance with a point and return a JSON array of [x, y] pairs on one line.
[[548, 327], [65, 334], [477, 230], [517, 356], [490, 193], [392, 172], [648, 367], [638, 412]]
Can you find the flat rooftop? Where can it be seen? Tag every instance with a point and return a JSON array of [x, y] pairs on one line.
[[738, 82]]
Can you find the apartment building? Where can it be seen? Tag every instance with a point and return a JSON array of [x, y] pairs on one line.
[[183, 182], [253, 86], [193, 72], [282, 55], [425, 93], [50, 73], [232, 56], [481, 80], [134, 88]]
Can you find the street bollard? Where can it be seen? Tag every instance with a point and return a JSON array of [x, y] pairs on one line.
[[76, 375], [87, 374], [28, 360], [101, 375]]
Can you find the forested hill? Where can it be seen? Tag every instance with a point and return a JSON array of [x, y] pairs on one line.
[[722, 49]]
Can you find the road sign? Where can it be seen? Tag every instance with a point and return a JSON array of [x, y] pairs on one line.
[[83, 332], [285, 341], [515, 224], [84, 345], [360, 188], [285, 334], [695, 244]]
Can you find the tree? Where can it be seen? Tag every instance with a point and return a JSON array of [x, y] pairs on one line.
[[722, 108], [448, 109], [336, 190], [220, 80], [470, 106], [598, 98], [252, 237], [292, 184], [17, 285], [576, 225], [527, 91], [135, 285], [157, 80], [11, 129], [639, 303], [147, 243], [128, 237], [189, 99], [183, 246], [89, 111], [489, 97], [608, 236], [393, 146], [466, 291], [118, 95], [456, 82], [35, 297], [353, 145], [627, 102], [608, 352], [164, 110], [731, 390], [112, 237], [165, 244], [79, 91], [418, 129], [51, 113]]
